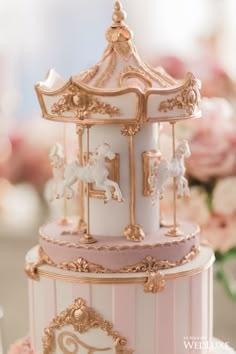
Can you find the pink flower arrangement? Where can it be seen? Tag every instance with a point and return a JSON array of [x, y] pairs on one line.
[[213, 142], [22, 161], [22, 346]]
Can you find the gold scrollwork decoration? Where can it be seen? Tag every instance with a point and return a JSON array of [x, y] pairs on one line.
[[105, 76], [31, 269], [130, 130], [82, 104], [67, 338], [134, 72], [87, 75], [155, 282], [82, 318], [148, 264], [189, 98]]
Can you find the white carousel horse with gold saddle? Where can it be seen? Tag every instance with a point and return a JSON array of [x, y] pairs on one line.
[[94, 171], [174, 168]]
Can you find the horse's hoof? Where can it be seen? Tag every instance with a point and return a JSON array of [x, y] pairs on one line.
[[105, 201], [121, 200]]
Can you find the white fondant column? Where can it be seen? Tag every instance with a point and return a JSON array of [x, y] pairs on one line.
[[110, 219], [124, 314]]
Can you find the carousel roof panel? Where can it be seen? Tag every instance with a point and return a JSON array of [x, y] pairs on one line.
[[121, 88]]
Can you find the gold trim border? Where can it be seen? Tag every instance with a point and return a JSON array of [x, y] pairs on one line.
[[130, 280], [148, 264]]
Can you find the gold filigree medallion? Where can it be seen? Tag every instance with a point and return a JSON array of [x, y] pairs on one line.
[[82, 104], [155, 282], [188, 99], [148, 264], [130, 130], [81, 318]]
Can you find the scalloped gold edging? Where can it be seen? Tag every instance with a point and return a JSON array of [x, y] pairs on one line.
[[98, 247]]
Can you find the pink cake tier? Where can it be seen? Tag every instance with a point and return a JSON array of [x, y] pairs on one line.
[[116, 254]]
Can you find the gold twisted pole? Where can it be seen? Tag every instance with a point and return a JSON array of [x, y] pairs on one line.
[[81, 224], [133, 232], [64, 220], [174, 231], [87, 238]]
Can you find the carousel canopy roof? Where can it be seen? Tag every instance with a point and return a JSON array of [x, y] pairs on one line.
[[120, 89]]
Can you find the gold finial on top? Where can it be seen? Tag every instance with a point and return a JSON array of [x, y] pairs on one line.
[[118, 31], [119, 15]]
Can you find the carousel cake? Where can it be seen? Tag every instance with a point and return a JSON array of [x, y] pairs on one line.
[[115, 278]]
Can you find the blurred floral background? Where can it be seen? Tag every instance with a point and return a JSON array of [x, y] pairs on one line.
[[183, 35]]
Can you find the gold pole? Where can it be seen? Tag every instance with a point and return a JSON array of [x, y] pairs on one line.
[[64, 220], [159, 137], [133, 232], [132, 180], [162, 221], [174, 231], [87, 238], [81, 224]]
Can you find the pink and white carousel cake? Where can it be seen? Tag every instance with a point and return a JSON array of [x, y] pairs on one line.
[[116, 278]]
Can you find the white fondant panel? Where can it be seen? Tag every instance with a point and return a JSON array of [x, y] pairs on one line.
[[146, 324], [154, 101], [39, 313], [63, 296], [182, 314], [31, 312], [127, 104], [98, 294], [205, 304]]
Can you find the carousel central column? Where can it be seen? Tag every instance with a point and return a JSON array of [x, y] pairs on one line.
[[133, 232]]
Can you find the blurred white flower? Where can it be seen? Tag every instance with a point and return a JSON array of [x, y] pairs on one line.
[[20, 208], [224, 196], [216, 107], [193, 209]]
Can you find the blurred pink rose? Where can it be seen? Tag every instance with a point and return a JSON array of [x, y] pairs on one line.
[[26, 162], [220, 232], [23, 346], [213, 142]]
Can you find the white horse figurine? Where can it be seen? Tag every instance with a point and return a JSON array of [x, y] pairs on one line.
[[175, 168], [94, 171], [57, 159]]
